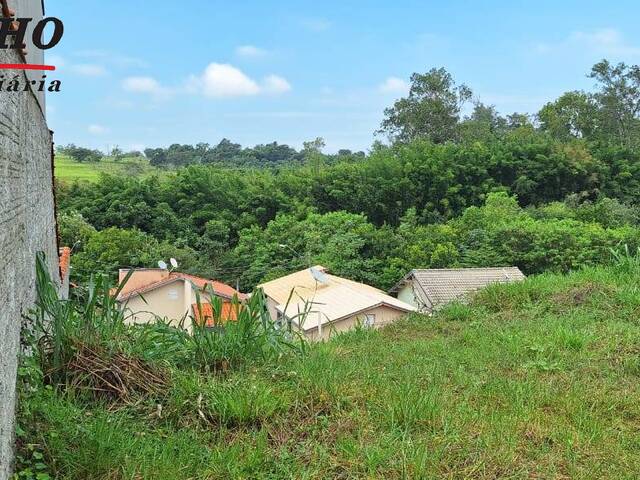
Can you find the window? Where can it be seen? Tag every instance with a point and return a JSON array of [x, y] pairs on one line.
[[369, 320]]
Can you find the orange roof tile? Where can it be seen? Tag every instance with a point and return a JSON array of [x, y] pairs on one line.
[[65, 261], [229, 313], [220, 289]]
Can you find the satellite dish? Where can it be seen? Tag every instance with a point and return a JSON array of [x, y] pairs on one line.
[[319, 275], [173, 262], [162, 265]]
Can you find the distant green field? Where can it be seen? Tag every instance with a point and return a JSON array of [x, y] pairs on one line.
[[67, 169]]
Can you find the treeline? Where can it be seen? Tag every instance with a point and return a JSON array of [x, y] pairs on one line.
[[227, 153], [541, 192]]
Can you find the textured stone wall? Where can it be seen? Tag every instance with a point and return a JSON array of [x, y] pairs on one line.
[[27, 225]]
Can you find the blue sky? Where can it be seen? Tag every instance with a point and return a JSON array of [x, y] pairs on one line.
[[145, 74]]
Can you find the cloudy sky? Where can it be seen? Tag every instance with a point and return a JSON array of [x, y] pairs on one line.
[[144, 74]]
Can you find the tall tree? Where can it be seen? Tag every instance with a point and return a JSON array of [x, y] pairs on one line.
[[431, 111], [618, 100], [573, 115]]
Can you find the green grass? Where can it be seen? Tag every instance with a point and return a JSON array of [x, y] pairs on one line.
[[67, 169], [533, 380]]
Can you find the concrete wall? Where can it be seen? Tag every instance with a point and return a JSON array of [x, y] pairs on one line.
[[384, 315], [411, 293], [172, 301], [27, 225]]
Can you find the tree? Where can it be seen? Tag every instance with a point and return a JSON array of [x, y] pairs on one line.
[[484, 124], [431, 111], [74, 230], [117, 153], [312, 151], [81, 154], [618, 100], [108, 250], [573, 115]]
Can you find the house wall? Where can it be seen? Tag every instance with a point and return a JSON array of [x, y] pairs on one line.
[[384, 316], [172, 301], [271, 307], [407, 295], [27, 225], [410, 293]]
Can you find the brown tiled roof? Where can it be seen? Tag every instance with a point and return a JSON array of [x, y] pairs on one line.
[[219, 289], [442, 286], [229, 313]]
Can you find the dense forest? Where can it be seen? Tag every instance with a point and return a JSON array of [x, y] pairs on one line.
[[554, 190]]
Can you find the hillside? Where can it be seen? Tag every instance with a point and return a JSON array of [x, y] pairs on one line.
[[68, 170], [532, 380]]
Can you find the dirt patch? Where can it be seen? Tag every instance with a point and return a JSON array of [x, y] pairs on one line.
[[579, 295]]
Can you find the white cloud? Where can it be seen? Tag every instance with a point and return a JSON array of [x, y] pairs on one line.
[[276, 84], [221, 80], [603, 41], [250, 51], [148, 85], [393, 85], [89, 70], [97, 129], [224, 80]]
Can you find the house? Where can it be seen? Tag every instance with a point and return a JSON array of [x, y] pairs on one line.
[[152, 293], [320, 304], [429, 290]]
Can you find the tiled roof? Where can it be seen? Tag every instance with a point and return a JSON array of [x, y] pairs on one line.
[[134, 287], [229, 312], [219, 288], [65, 261], [444, 285]]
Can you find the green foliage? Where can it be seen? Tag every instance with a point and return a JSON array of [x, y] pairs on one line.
[[253, 335], [511, 385], [81, 154], [345, 243], [574, 169], [431, 111], [108, 250], [74, 230], [92, 318]]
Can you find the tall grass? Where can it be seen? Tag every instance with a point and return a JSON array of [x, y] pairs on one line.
[[625, 258], [91, 317], [93, 323], [251, 334]]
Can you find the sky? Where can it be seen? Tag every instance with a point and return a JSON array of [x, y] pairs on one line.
[[149, 74]]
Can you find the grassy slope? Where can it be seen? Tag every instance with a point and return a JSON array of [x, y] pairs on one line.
[[67, 169], [537, 380]]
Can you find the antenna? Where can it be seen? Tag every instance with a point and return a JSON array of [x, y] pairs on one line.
[[173, 262], [319, 275], [162, 265]]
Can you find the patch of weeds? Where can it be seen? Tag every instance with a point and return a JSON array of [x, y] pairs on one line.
[[410, 408], [569, 339], [232, 402], [578, 295], [543, 365], [458, 312]]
